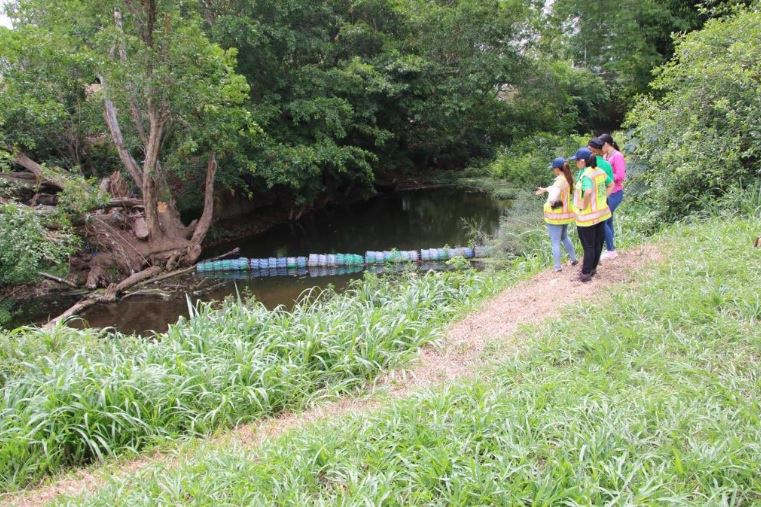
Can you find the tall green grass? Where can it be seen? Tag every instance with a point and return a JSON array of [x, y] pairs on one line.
[[652, 395], [71, 397]]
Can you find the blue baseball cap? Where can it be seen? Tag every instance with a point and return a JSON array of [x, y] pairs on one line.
[[557, 163], [582, 154]]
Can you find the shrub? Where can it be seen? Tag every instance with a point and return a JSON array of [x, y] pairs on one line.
[[525, 162], [701, 136], [26, 246]]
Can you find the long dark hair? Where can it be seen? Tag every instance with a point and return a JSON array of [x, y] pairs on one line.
[[591, 161], [607, 138], [566, 170]]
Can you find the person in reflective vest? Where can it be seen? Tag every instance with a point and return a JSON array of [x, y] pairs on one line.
[[590, 202], [558, 211]]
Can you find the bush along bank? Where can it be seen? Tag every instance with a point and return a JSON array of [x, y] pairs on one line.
[[92, 396], [652, 398]]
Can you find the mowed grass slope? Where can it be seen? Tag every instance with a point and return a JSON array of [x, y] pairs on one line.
[[71, 397], [651, 396]]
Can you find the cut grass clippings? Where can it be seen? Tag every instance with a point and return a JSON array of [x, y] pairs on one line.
[[651, 396]]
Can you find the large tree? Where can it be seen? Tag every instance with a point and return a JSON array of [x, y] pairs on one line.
[[170, 100]]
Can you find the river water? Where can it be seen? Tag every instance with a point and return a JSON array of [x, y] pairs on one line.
[[407, 220]]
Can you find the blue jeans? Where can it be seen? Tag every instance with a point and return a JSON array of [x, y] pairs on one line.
[[614, 200], [558, 235]]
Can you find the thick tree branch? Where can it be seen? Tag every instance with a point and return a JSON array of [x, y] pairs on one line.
[[137, 116], [57, 279], [33, 167], [202, 227], [112, 121], [109, 296]]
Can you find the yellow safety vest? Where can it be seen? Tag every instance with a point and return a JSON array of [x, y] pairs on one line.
[[598, 210], [562, 215]]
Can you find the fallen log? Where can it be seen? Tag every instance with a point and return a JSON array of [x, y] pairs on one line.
[[112, 292], [39, 172], [118, 202], [57, 279], [109, 296]]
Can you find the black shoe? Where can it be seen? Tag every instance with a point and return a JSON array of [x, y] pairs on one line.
[[593, 272], [584, 278], [573, 263]]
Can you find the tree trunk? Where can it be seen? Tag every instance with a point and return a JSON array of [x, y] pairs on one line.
[[202, 227], [150, 196]]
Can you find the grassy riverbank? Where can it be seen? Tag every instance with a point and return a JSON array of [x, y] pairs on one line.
[[651, 396], [71, 397]]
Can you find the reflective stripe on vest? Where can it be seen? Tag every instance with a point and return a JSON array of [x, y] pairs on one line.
[[598, 210], [560, 216]]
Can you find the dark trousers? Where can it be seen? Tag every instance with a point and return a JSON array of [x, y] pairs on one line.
[[592, 239]]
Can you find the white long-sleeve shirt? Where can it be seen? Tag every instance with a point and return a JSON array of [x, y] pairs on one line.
[[554, 190]]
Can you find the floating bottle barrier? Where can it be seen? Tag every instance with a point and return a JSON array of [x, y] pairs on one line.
[[353, 261], [480, 252]]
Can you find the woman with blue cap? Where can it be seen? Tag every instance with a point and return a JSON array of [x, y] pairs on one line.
[[558, 210], [590, 202]]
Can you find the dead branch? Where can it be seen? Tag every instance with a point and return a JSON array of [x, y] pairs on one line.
[[179, 272], [114, 290], [109, 296], [148, 293], [57, 279]]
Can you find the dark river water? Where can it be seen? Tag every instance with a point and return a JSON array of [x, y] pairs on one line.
[[409, 220]]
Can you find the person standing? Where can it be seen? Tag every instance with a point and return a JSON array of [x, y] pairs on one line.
[[615, 158], [558, 211], [596, 145], [590, 202]]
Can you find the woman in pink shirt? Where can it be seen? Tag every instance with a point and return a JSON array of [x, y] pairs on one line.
[[612, 154]]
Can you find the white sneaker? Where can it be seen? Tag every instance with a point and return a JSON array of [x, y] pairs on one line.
[[607, 254]]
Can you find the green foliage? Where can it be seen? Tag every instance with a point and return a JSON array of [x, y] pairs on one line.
[[525, 163], [652, 398], [700, 137], [80, 196], [26, 246], [164, 76], [623, 40], [67, 401], [386, 87], [43, 102]]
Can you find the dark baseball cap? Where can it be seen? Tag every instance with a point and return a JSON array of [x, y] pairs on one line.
[[582, 154], [595, 143], [557, 163]]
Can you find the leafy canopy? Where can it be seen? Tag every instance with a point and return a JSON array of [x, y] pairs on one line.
[[700, 136]]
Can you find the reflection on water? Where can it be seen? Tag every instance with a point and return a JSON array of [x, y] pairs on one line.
[[411, 220]]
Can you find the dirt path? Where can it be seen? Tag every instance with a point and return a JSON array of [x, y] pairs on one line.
[[529, 302]]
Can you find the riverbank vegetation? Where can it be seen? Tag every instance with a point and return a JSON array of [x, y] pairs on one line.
[[71, 397], [652, 398]]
